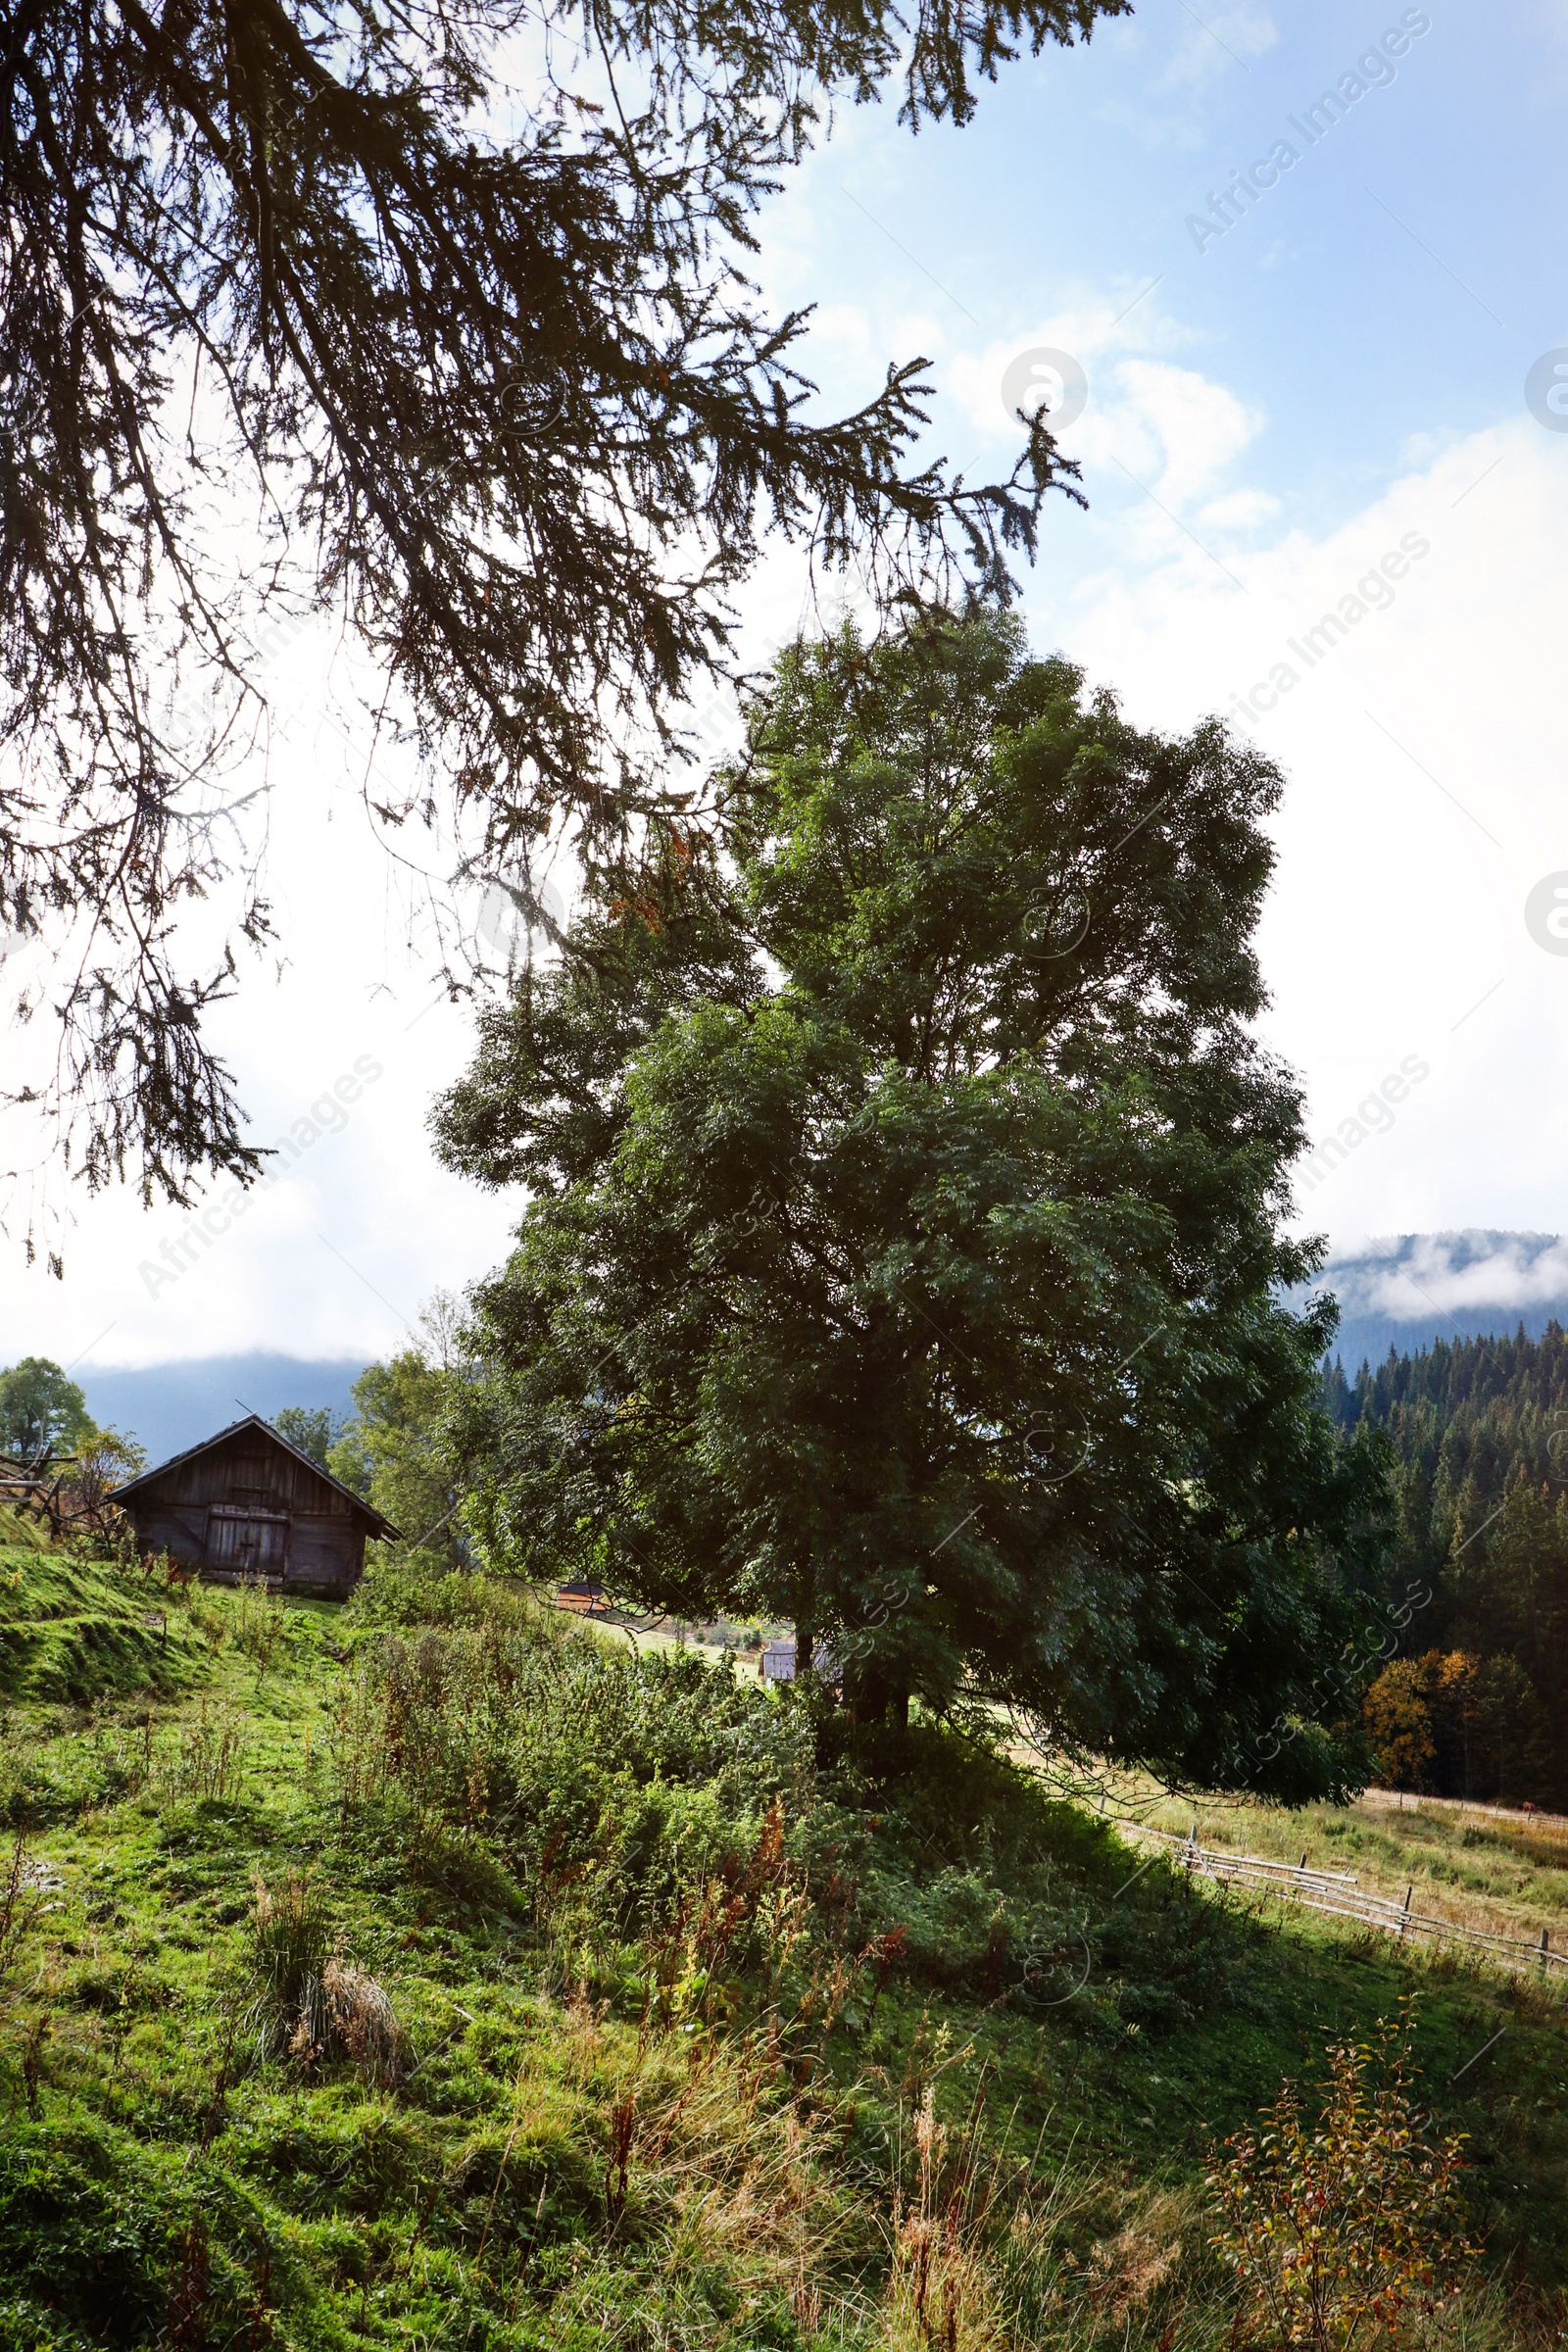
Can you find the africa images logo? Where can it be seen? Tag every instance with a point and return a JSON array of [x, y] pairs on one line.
[[1546, 913], [1546, 390], [1373, 1115], [1045, 381], [1373, 69]]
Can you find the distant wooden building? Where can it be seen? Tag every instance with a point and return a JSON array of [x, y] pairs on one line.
[[777, 1662], [246, 1502]]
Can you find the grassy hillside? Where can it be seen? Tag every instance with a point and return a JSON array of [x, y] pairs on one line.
[[1480, 1869], [429, 1974], [75, 1631]]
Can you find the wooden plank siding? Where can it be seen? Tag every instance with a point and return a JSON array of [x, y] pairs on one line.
[[246, 1502]]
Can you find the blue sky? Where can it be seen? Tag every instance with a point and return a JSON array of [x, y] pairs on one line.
[[1271, 424], [1321, 309]]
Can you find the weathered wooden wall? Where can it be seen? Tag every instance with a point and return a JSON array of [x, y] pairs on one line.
[[247, 1468], [326, 1542]]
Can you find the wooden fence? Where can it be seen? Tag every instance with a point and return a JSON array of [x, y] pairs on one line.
[[68, 1494], [1336, 1892], [40, 1492]]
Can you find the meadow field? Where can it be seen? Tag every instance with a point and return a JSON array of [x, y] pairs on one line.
[[1481, 1867], [429, 1971]]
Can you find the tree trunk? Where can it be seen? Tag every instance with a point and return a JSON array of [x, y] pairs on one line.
[[876, 1696], [804, 1627]]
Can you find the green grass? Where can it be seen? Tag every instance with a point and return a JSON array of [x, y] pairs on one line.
[[658, 2079], [1495, 1876], [72, 1628]]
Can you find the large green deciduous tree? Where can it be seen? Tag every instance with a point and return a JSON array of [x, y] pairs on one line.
[[313, 1428], [395, 1448], [41, 1411], [448, 292], [903, 1249]]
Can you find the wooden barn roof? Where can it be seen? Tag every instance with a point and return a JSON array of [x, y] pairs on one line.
[[382, 1528]]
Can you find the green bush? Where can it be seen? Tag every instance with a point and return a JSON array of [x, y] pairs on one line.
[[1353, 2230], [608, 1781], [106, 2241]]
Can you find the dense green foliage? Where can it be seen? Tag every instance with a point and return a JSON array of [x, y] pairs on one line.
[[313, 1428], [903, 1251], [433, 1975], [1479, 1433], [397, 1450], [41, 1411]]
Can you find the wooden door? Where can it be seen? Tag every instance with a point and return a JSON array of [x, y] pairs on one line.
[[246, 1542]]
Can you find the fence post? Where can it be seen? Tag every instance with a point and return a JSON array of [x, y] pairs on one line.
[[1405, 1907], [1545, 1944]]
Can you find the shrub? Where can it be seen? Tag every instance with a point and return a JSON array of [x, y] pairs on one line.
[[259, 1622], [309, 2003], [1344, 2234], [290, 1941], [19, 1901], [208, 1762], [980, 2246], [107, 2242], [614, 1786], [360, 2023]]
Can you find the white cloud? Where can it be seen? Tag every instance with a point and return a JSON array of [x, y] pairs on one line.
[[1171, 428], [1216, 42], [1424, 762], [1413, 1275], [1169, 423], [1238, 511]]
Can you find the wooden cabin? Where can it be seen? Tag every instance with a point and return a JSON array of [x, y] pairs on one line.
[[777, 1662], [246, 1502]]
